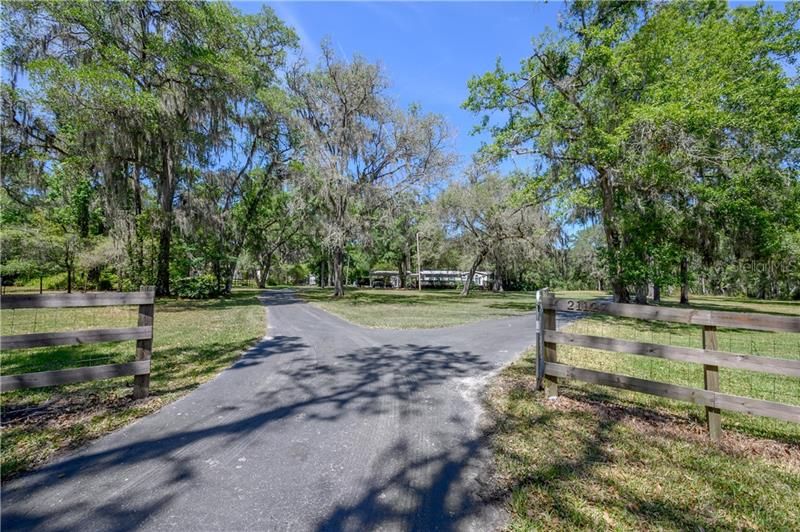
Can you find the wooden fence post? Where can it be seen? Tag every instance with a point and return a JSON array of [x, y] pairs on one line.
[[550, 353], [711, 380], [144, 348]]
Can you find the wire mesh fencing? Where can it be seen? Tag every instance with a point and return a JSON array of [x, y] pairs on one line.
[[758, 385]]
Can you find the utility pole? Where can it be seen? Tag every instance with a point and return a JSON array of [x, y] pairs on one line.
[[419, 267]]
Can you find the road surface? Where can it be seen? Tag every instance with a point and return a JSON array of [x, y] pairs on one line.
[[324, 425]]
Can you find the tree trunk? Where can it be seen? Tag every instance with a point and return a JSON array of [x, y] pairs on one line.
[[266, 266], [338, 280], [656, 293], [612, 239], [641, 294], [69, 279], [162, 274], [218, 275], [684, 275], [41, 282], [497, 282], [401, 271], [137, 245], [166, 192], [227, 274], [475, 265]]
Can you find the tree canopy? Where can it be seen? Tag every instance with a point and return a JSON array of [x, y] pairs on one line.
[[673, 124], [655, 147]]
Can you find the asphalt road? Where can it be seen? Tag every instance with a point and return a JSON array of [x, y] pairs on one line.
[[323, 425]]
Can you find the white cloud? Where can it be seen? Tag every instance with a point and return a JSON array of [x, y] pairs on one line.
[[308, 46]]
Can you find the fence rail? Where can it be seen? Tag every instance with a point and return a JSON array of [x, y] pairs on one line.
[[99, 299], [716, 318], [709, 356], [142, 333]]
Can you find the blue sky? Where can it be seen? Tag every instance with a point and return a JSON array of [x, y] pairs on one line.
[[428, 50]]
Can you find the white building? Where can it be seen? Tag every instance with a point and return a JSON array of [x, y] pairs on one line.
[[452, 278]]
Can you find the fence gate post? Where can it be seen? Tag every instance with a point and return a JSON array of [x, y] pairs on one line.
[[711, 380], [144, 348], [550, 354], [539, 338]]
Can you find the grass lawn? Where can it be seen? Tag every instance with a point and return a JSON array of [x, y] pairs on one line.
[[193, 341], [593, 460], [412, 309], [599, 457], [737, 382]]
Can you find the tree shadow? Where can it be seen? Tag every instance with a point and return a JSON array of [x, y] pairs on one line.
[[237, 299], [593, 432], [128, 477], [454, 497], [520, 306]]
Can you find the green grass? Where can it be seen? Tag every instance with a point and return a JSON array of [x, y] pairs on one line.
[[412, 309], [193, 341], [732, 381], [596, 459], [737, 304]]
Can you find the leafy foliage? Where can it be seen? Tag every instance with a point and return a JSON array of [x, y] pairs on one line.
[[200, 287], [674, 124]]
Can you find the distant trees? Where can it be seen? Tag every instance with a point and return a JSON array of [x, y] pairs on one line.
[[138, 94], [486, 217], [391, 239], [165, 112], [148, 141], [29, 253], [360, 151], [673, 124], [279, 220]]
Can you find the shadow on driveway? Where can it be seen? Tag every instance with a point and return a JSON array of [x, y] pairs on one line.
[[175, 468]]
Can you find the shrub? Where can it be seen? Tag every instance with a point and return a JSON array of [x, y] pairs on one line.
[[107, 281], [297, 274], [200, 287], [56, 282]]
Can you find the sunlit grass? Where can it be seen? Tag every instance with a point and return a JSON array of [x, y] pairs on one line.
[[413, 309], [193, 341], [598, 458], [758, 385], [602, 458]]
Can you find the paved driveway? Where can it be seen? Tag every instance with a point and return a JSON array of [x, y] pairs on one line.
[[324, 425]]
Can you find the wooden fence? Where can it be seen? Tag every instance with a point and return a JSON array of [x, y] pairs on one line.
[[142, 333], [550, 370]]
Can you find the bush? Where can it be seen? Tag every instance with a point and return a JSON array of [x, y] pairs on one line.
[[200, 287], [55, 282], [298, 274], [107, 281]]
